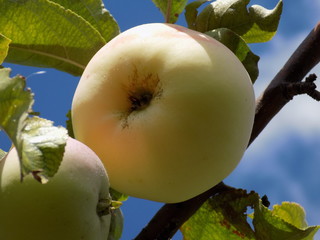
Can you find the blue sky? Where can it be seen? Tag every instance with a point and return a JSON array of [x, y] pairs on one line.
[[283, 162]]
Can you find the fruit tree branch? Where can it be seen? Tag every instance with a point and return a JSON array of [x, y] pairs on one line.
[[286, 84], [170, 217], [306, 87], [273, 99]]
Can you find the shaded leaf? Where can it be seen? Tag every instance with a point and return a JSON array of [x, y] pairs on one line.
[[239, 47], [44, 34], [191, 12], [116, 225], [69, 124], [171, 9], [256, 24], [39, 144], [4, 47]]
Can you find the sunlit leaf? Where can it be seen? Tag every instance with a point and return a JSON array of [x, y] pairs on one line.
[[277, 224], [95, 13], [15, 104], [45, 34], [2, 154], [118, 196], [171, 9], [42, 148], [225, 216], [4, 47], [39, 144], [222, 217], [292, 213]]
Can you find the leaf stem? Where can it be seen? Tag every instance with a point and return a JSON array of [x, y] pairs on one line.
[[169, 8]]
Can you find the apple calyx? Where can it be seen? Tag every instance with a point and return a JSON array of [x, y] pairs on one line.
[[141, 101], [104, 207], [142, 90]]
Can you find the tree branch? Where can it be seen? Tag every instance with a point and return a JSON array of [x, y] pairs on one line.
[[273, 99], [307, 87], [170, 217]]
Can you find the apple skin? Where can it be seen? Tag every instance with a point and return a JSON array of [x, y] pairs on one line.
[[63, 208], [168, 110]]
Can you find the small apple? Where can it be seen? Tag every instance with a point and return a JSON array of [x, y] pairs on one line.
[[168, 110], [73, 205]]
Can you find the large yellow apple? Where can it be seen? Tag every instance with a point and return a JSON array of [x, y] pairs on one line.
[[168, 110], [73, 205]]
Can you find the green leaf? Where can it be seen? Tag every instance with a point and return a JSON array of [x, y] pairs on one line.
[[15, 105], [39, 144], [95, 13], [222, 217], [286, 221], [292, 213], [4, 47], [2, 154], [171, 9], [239, 47], [118, 196], [45, 34], [191, 12], [116, 225], [256, 24], [265, 23], [42, 148], [69, 124]]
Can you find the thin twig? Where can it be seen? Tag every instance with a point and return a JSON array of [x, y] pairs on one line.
[[315, 94], [291, 90]]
